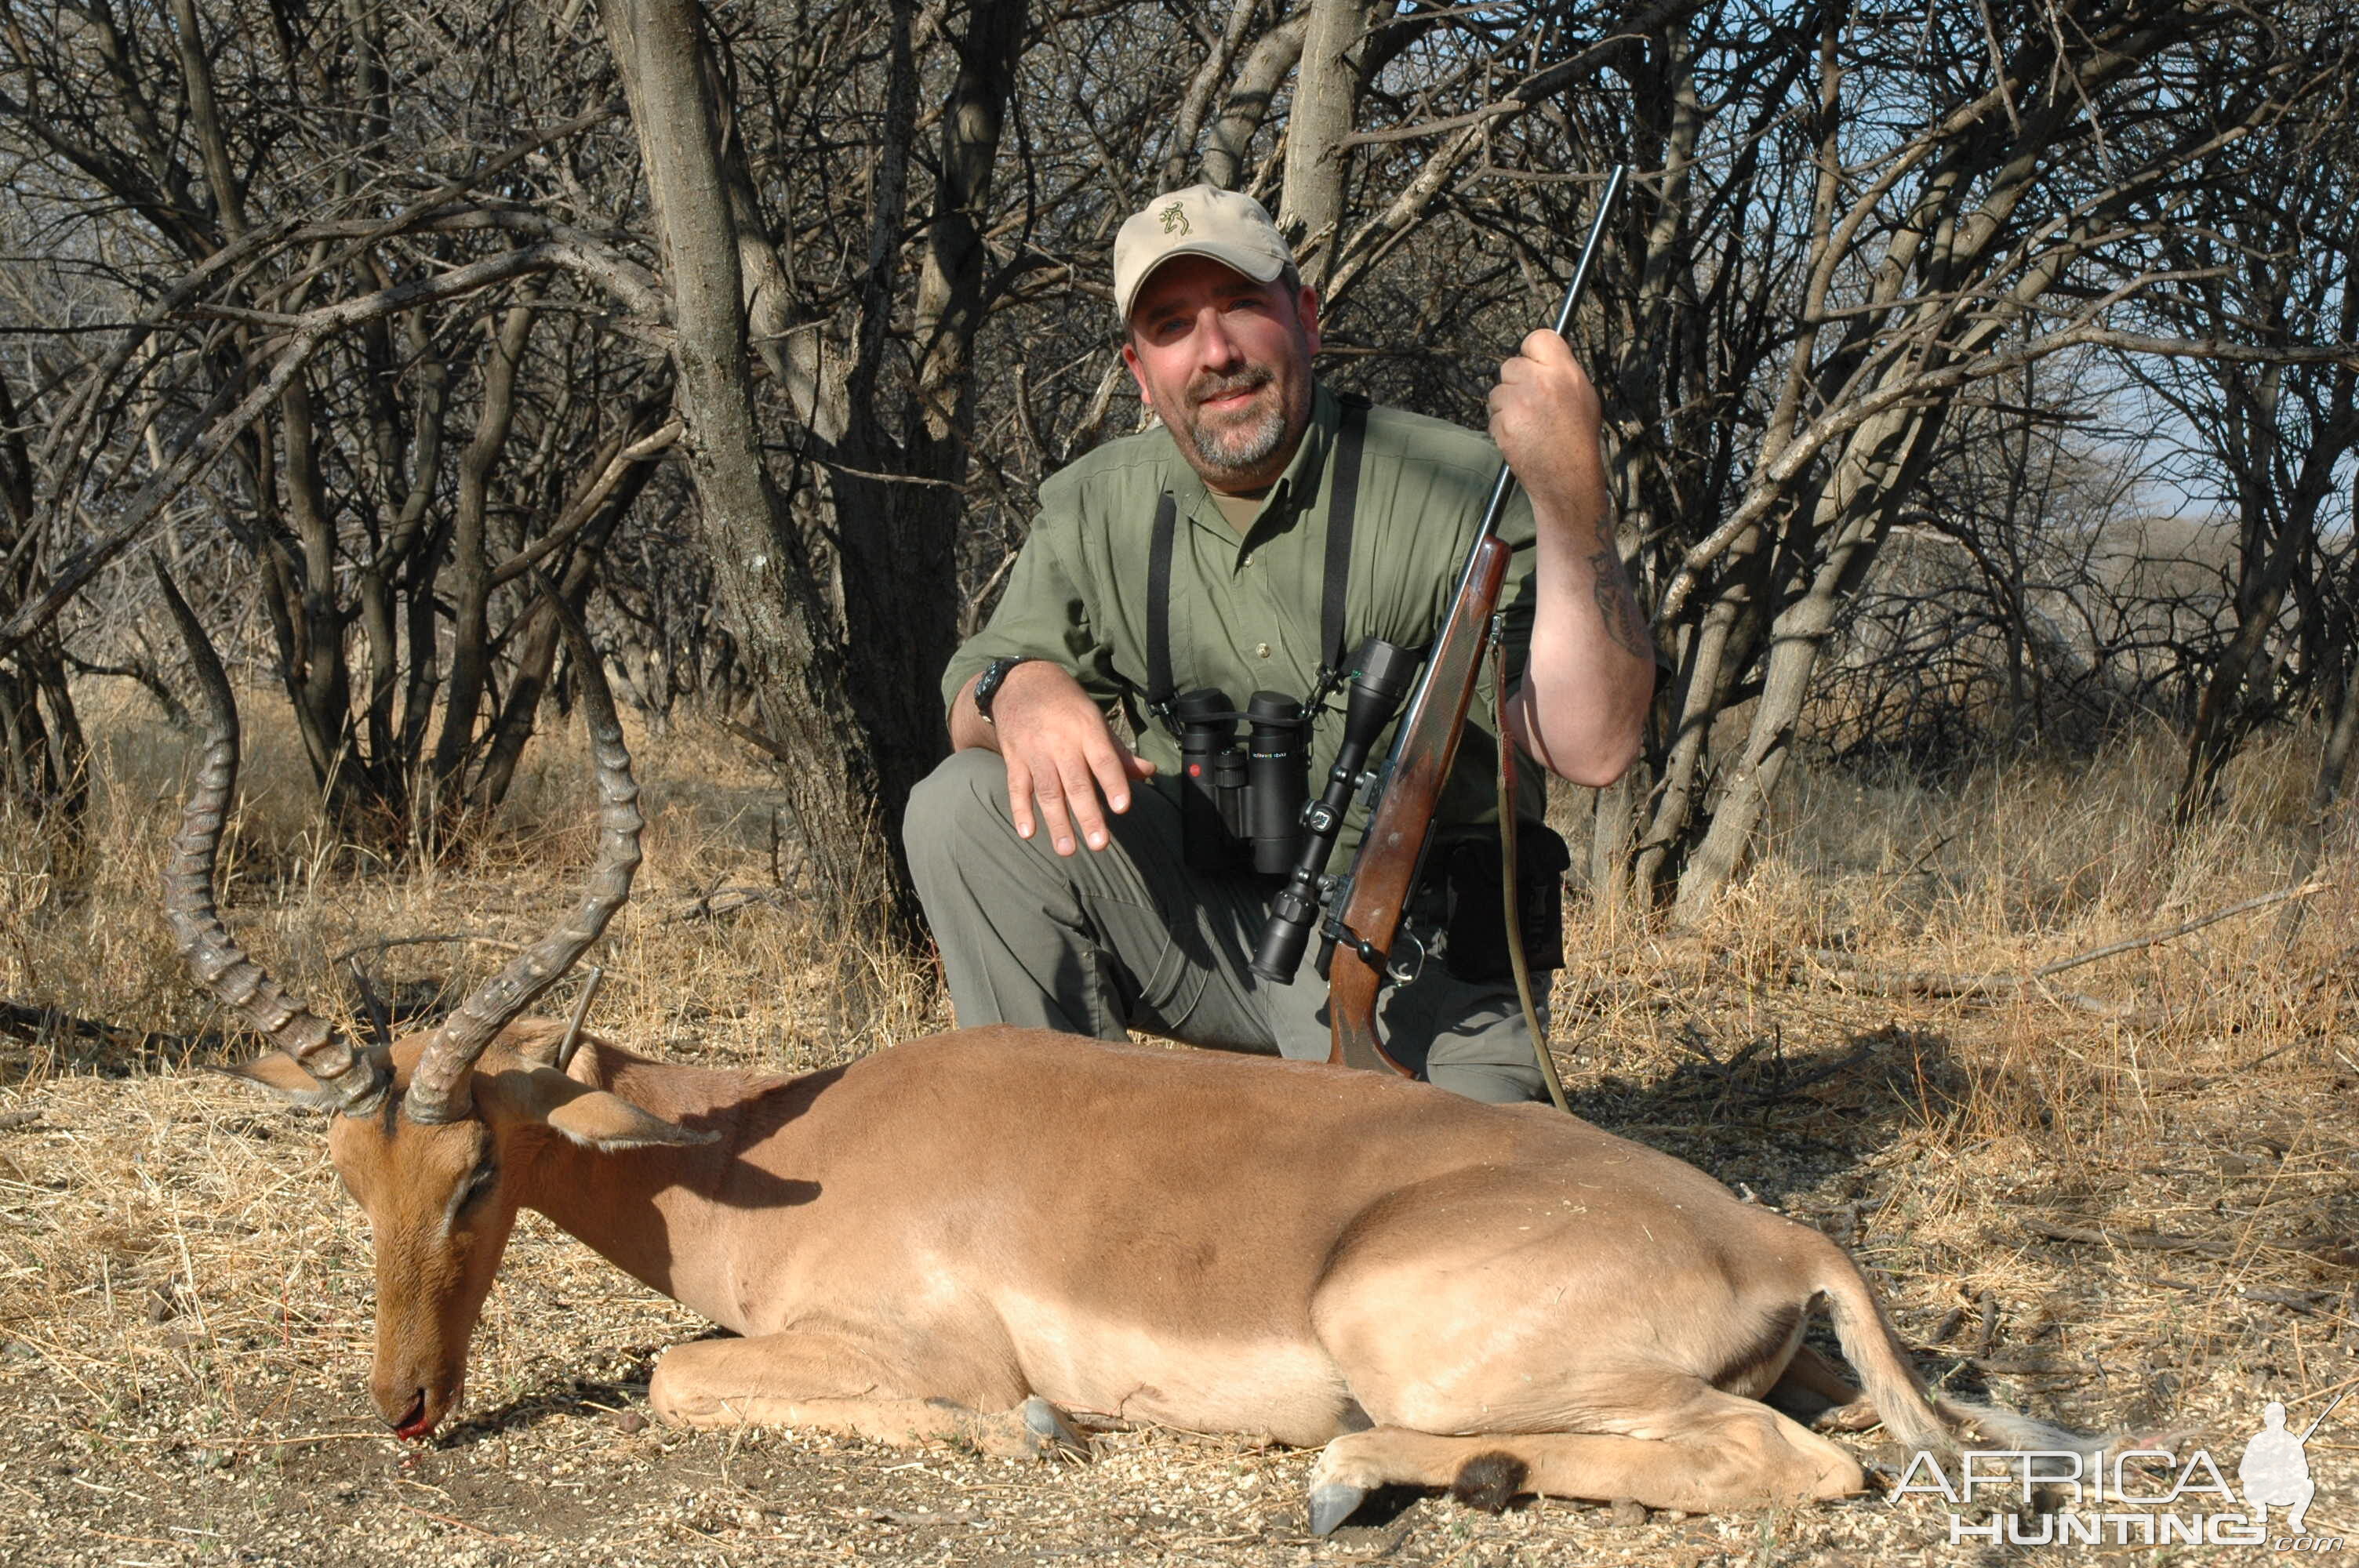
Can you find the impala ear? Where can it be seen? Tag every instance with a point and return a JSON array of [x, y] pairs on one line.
[[609, 1123], [285, 1077], [591, 1117]]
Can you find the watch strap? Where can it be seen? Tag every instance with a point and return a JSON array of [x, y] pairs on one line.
[[994, 677]]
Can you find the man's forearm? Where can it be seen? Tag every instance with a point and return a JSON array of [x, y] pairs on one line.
[[1582, 705], [968, 729], [1582, 708]]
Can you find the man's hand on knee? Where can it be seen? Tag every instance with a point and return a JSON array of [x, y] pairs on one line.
[[1065, 769]]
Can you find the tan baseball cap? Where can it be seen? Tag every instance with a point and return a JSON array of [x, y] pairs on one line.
[[1201, 220]]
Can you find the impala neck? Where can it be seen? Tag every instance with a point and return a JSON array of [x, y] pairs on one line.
[[655, 1212]]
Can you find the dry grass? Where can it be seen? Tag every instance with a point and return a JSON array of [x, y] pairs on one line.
[[184, 1298]]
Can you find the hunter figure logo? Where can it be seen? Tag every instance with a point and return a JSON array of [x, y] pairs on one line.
[[2275, 1470], [1175, 218], [2092, 1502]]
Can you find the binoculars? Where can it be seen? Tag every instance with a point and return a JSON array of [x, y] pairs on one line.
[[1244, 805]]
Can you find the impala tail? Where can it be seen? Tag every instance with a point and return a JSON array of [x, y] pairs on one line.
[[1919, 1420]]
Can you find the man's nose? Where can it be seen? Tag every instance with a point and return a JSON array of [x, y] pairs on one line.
[[1216, 350]]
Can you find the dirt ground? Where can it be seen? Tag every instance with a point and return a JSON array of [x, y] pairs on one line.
[[188, 1296]]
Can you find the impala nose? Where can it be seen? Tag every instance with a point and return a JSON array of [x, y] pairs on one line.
[[414, 1423]]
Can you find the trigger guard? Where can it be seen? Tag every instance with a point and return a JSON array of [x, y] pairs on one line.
[[1394, 970]]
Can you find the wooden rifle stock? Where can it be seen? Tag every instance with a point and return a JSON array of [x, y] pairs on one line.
[[1394, 849], [1425, 748]]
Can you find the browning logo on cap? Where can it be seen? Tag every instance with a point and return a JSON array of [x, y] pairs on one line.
[[1225, 226]]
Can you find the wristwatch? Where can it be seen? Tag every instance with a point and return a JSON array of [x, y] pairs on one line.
[[994, 677]]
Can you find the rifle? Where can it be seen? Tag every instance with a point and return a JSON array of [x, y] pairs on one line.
[[1366, 907]]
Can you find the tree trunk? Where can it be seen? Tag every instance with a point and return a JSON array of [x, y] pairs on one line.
[[1201, 88], [1326, 93], [1248, 100], [778, 611], [471, 563], [42, 762], [900, 582], [2325, 794]]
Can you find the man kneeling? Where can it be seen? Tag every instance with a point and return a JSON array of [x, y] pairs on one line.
[[1247, 545]]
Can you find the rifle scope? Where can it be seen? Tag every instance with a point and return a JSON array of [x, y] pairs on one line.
[[1381, 673]]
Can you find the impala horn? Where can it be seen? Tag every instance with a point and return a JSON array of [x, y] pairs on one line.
[[436, 1085], [356, 1079]]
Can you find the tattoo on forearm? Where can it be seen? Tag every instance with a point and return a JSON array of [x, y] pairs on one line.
[[1625, 624]]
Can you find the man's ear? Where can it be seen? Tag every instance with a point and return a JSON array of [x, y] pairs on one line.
[[1130, 358], [1306, 310], [284, 1077]]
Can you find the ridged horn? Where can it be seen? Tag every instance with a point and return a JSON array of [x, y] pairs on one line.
[[356, 1078], [437, 1085]]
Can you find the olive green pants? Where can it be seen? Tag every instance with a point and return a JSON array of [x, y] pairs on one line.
[[1127, 938]]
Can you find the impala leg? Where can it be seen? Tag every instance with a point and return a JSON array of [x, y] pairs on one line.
[[1722, 1452], [795, 1380], [1812, 1390]]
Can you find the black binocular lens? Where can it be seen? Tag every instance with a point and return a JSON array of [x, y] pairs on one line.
[[1207, 727], [1277, 768]]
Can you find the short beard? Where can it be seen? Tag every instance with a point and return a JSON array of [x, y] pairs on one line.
[[1239, 449]]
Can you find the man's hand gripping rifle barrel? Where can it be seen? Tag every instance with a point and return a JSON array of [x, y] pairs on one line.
[[1364, 908]]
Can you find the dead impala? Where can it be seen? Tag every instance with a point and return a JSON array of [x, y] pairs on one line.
[[967, 1235]]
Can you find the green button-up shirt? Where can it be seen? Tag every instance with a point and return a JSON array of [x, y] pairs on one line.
[[1245, 609]]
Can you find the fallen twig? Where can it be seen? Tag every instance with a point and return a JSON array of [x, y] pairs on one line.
[[721, 901], [462, 1524], [2152, 1239], [778, 750], [1964, 988], [2307, 890], [2311, 1303], [1818, 1074], [34, 1025], [2010, 988]]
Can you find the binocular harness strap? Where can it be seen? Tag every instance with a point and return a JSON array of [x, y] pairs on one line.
[[1344, 474], [1346, 477], [1160, 690]]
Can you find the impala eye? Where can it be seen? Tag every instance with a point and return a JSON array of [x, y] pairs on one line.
[[478, 1186]]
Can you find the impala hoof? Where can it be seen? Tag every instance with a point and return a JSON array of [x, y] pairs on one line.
[[1052, 1437], [1333, 1503]]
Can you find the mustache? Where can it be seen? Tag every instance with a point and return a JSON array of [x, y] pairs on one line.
[[1204, 388]]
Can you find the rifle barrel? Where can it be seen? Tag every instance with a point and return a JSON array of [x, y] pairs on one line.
[[2322, 1417], [1505, 485]]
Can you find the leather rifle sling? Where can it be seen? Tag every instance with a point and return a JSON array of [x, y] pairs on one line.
[[1510, 880]]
